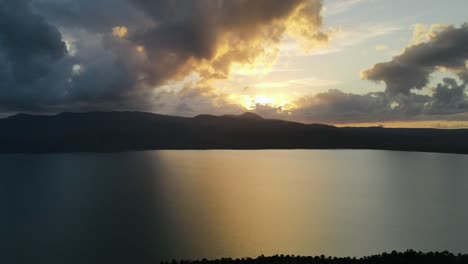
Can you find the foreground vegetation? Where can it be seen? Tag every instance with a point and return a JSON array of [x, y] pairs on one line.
[[408, 257]]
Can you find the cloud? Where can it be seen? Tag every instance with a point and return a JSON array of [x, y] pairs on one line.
[[58, 55], [208, 37], [164, 55], [194, 99], [446, 48], [448, 101], [307, 82], [449, 98], [94, 16], [342, 38], [31, 54], [120, 32], [335, 106], [423, 33], [340, 6], [349, 37]]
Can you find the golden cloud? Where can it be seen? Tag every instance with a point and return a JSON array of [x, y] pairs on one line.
[[241, 34], [120, 31]]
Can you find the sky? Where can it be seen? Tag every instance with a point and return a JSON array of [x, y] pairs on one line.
[[343, 62]]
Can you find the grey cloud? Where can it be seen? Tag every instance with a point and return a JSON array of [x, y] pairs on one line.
[[187, 35], [37, 70], [335, 106], [94, 16], [32, 56], [449, 98], [193, 100], [411, 70], [60, 55], [447, 102], [27, 42]]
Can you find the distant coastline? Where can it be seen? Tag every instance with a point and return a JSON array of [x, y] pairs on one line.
[[133, 131]]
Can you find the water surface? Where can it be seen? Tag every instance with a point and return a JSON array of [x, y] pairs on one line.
[[143, 207]]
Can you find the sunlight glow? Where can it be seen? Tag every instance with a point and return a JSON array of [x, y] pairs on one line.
[[252, 70], [251, 102]]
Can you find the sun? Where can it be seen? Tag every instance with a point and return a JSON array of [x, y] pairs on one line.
[[250, 102], [261, 99]]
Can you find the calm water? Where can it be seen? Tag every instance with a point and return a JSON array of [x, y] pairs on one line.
[[143, 207]]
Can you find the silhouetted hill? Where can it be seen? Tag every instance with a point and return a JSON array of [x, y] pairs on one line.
[[408, 257], [246, 115], [122, 131]]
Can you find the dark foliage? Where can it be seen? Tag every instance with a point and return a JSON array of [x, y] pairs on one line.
[[408, 257]]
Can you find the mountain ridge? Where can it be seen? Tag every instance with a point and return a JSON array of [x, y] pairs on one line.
[[128, 131]]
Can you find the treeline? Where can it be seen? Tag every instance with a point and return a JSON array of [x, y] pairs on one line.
[[408, 257]]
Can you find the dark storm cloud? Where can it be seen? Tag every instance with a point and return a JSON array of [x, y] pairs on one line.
[[208, 36], [92, 15], [31, 50], [28, 42], [39, 73], [449, 97], [447, 49], [58, 55]]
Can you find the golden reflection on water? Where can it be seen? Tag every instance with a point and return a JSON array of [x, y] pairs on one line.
[[144, 207], [247, 203], [239, 203]]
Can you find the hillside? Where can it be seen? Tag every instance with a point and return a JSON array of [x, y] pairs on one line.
[[125, 131]]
